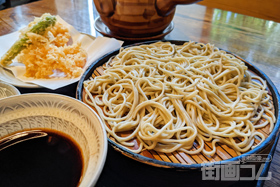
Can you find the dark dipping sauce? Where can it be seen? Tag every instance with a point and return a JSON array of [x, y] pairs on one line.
[[52, 160]]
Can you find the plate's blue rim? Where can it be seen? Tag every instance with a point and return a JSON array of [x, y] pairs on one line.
[[270, 139]]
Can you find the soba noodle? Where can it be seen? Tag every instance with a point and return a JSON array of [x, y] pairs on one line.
[[171, 96], [4, 92]]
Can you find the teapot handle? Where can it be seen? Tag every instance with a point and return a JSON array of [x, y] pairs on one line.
[[164, 7]]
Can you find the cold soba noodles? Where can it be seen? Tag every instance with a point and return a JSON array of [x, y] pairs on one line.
[[169, 96]]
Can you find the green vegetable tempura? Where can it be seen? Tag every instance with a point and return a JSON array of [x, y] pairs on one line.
[[40, 27]]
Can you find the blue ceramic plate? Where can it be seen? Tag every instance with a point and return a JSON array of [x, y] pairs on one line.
[[263, 148]]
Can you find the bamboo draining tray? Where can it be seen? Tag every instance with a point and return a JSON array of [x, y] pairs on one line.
[[181, 159]]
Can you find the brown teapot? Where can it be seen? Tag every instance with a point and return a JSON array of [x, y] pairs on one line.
[[137, 18]]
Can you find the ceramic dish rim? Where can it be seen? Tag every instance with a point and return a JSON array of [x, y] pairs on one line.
[[98, 28]]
